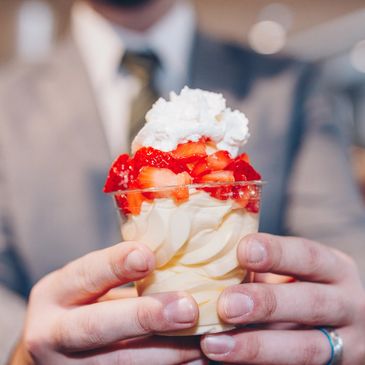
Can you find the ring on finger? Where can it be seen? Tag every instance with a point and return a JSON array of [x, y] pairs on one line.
[[336, 344]]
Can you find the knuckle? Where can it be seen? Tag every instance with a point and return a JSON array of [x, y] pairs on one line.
[[319, 307], [124, 357], [275, 255], [116, 268], [91, 331], [144, 319], [311, 351], [314, 256], [252, 348], [85, 280], [267, 303], [361, 352]]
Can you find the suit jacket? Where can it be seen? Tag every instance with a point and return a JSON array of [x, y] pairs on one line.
[[54, 159]]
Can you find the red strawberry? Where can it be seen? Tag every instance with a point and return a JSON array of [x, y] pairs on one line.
[[130, 202], [218, 176], [201, 168], [190, 151], [243, 157], [121, 174], [122, 202], [223, 192], [219, 160], [151, 177], [253, 206], [243, 171], [135, 200], [247, 196], [148, 156]]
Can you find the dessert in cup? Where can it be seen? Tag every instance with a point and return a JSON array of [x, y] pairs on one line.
[[190, 196]]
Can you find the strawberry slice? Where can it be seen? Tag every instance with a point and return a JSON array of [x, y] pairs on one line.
[[243, 157], [219, 160], [223, 192], [152, 177], [121, 174], [148, 156], [201, 168], [130, 202], [253, 206], [243, 171], [190, 151], [218, 176]]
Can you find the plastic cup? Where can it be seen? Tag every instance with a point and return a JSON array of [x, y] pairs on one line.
[[194, 241]]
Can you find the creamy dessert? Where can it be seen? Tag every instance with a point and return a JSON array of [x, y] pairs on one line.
[[188, 195]]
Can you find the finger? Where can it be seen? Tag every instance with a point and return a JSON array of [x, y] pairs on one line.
[[100, 324], [302, 303], [91, 276], [119, 293], [150, 350], [268, 347], [301, 258]]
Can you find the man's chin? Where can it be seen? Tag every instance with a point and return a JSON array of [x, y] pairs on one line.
[[124, 3]]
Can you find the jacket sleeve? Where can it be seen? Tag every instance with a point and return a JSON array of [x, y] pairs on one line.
[[12, 304], [323, 202]]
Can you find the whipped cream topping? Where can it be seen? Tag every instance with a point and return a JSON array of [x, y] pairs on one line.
[[195, 246], [189, 116]]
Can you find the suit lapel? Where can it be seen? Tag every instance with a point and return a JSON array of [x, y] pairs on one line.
[[66, 159], [263, 88]]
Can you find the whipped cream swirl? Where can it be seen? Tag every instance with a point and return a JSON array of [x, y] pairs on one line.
[[195, 246], [189, 116]]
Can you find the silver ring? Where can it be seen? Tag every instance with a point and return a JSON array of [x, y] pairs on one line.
[[336, 344]]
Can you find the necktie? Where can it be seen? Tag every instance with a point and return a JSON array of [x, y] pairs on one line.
[[142, 65]]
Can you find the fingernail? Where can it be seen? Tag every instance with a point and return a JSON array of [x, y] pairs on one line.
[[180, 311], [218, 345], [237, 304], [255, 252], [136, 261]]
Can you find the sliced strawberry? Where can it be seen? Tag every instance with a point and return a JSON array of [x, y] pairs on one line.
[[219, 160], [122, 202], [135, 200], [223, 192], [243, 171], [148, 156], [190, 151], [151, 177], [243, 157], [201, 168], [130, 202], [253, 206], [218, 176], [121, 174]]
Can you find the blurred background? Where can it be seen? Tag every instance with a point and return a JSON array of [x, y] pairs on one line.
[[330, 32]]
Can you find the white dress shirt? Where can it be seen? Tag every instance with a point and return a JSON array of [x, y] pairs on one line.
[[102, 45]]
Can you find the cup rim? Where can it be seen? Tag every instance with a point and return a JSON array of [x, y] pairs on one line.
[[191, 186]]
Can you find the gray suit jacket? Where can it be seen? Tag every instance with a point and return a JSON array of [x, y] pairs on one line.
[[54, 159]]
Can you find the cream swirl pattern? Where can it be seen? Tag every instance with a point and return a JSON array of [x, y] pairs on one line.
[[195, 245]]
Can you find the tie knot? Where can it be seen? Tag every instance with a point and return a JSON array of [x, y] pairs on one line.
[[141, 64]]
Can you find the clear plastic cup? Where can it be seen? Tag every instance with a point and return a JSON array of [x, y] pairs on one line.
[[194, 241]]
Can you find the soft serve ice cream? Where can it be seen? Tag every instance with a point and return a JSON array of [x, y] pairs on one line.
[[190, 197]]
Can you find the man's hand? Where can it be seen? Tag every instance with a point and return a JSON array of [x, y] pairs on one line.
[[71, 320], [328, 292]]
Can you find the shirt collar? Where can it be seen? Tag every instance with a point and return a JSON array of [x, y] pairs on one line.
[[102, 44]]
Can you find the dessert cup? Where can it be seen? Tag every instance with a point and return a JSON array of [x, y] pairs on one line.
[[194, 241]]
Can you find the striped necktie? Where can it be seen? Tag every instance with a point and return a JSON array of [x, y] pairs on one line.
[[142, 65]]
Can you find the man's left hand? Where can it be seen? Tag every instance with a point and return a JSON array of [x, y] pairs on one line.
[[327, 291]]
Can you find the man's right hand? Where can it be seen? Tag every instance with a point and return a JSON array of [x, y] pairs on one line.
[[71, 321]]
